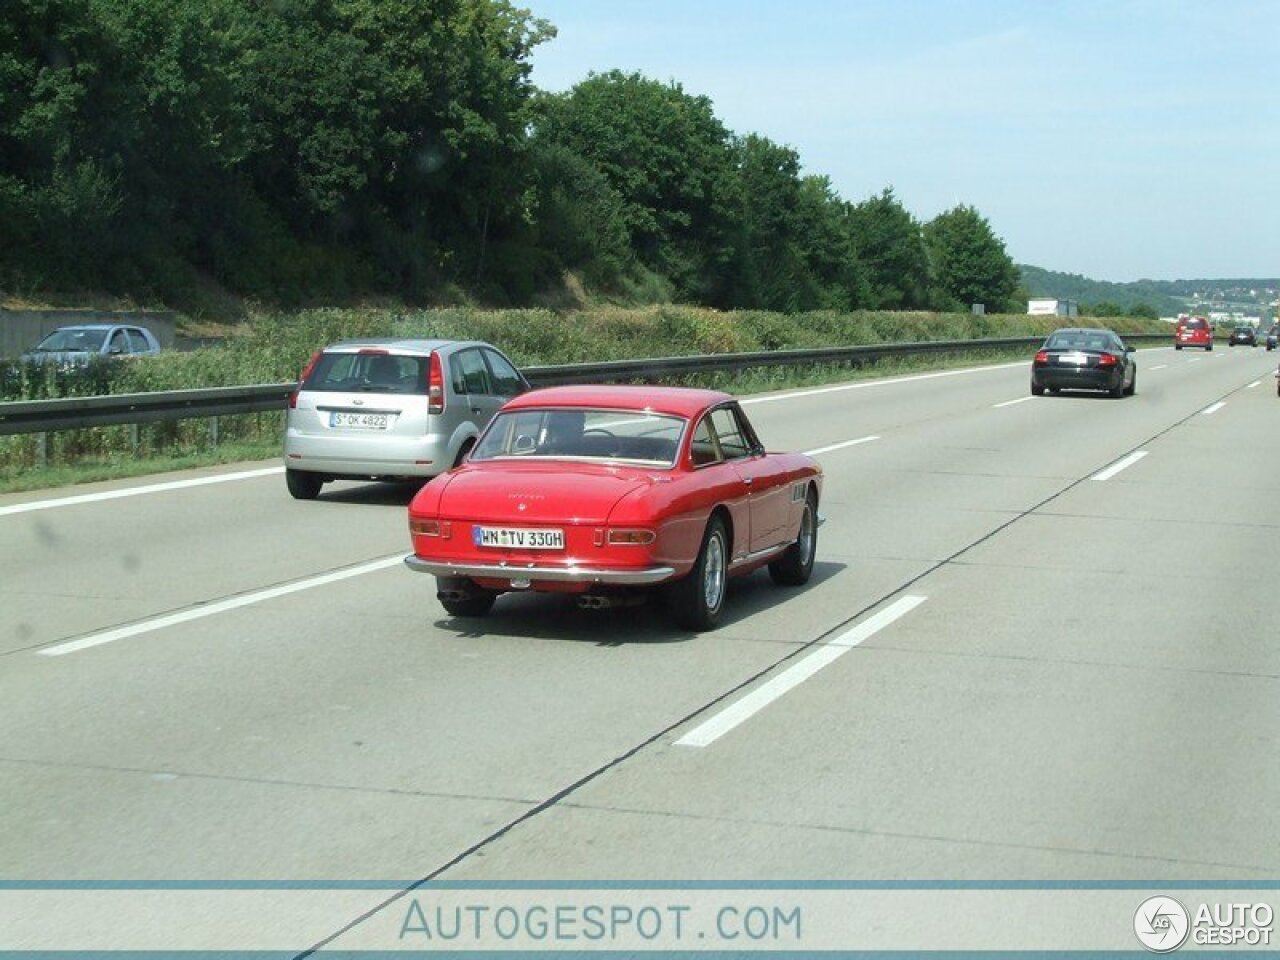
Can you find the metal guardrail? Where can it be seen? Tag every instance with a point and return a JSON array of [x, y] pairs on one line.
[[73, 413]]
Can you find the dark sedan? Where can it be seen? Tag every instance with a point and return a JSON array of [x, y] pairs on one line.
[[1084, 359], [1243, 335]]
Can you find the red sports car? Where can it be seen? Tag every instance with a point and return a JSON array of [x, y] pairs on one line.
[[602, 491]]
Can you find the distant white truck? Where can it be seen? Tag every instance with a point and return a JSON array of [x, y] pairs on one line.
[[1053, 308]]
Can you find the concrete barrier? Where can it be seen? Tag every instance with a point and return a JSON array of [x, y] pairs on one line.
[[20, 330]]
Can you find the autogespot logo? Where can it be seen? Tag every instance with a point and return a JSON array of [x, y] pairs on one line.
[[1162, 924]]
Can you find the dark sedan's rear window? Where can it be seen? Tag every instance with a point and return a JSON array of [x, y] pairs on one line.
[[368, 373]]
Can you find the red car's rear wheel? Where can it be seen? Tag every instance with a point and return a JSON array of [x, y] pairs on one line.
[[697, 599]]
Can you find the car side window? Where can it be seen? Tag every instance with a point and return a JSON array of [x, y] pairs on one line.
[[703, 449], [119, 343], [506, 382], [734, 442], [469, 368], [137, 340]]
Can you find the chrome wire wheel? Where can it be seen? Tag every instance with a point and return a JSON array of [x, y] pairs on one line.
[[713, 573]]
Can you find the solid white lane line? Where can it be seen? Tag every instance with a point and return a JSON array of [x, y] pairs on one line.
[[1010, 403], [866, 384], [1256, 383], [135, 491], [1195, 360], [839, 446], [741, 711], [1119, 465], [1209, 411], [1158, 366], [221, 606]]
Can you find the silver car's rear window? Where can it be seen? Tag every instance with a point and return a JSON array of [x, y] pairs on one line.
[[369, 373]]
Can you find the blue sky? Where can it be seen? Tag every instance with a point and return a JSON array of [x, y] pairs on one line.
[[1119, 139]]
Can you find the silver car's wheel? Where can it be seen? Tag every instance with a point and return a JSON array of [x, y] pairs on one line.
[[302, 485]]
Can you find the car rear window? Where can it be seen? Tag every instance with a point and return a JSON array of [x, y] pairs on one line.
[[369, 372], [581, 434], [1196, 324]]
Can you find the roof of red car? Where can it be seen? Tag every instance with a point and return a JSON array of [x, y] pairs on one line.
[[682, 401]]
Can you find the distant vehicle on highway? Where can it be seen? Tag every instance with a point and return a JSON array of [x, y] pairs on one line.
[[1243, 335], [387, 409], [1193, 332], [604, 491], [76, 346], [1084, 359], [1273, 337]]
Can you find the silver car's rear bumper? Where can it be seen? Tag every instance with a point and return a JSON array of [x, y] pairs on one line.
[[644, 576]]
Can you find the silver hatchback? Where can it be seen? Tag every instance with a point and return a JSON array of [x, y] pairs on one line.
[[391, 409]]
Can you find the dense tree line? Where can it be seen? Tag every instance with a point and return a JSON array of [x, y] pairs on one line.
[[308, 150]]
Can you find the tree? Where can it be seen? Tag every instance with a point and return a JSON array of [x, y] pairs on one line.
[[666, 155], [890, 247], [969, 261]]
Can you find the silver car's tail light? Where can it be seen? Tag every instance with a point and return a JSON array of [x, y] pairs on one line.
[[435, 385], [302, 378]]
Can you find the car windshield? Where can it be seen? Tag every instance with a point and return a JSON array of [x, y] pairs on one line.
[[77, 339], [368, 372], [580, 434]]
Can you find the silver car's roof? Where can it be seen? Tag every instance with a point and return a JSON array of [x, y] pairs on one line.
[[401, 345]]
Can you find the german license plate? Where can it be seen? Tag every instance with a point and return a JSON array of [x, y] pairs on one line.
[[359, 421], [518, 538], [1075, 359]]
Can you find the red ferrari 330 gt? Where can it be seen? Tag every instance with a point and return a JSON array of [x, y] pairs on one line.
[[603, 491]]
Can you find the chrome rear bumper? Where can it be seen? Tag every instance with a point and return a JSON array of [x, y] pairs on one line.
[[640, 577]]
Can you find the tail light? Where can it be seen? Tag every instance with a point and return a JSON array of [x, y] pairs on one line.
[[423, 527], [1042, 358], [1107, 360], [435, 385], [302, 379], [622, 536]]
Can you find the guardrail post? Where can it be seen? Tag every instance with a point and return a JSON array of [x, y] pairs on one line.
[[42, 450], [213, 431], [133, 439]]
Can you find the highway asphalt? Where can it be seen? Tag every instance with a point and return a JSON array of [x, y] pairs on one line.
[[1039, 644]]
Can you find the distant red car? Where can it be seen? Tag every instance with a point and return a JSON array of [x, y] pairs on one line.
[[1193, 332], [603, 491]]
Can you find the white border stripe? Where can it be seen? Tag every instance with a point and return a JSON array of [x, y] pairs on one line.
[[1256, 383], [1119, 465], [1210, 410], [1010, 403], [134, 491], [865, 384], [839, 446], [221, 606], [743, 710]]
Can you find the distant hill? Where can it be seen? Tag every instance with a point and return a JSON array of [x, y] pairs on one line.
[[1247, 295], [1072, 286]]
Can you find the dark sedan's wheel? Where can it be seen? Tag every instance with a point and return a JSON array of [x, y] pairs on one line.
[[697, 599], [1133, 385], [475, 606], [302, 485], [1036, 389], [795, 566], [1118, 390]]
